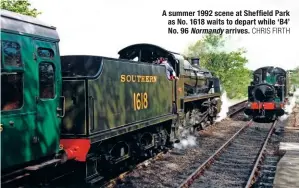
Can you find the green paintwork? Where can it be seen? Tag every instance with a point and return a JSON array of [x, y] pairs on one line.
[[101, 105], [48, 123], [37, 120], [110, 98], [113, 99], [270, 79], [75, 118]]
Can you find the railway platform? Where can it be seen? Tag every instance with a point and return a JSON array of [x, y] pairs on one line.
[[287, 171]]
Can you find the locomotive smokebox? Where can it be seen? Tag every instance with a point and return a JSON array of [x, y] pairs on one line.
[[195, 61], [263, 93]]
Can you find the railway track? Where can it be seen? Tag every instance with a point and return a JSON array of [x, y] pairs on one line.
[[267, 168], [234, 109], [262, 153], [235, 163], [273, 155], [118, 178], [113, 182]]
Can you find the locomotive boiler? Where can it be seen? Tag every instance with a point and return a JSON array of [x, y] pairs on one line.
[[197, 79], [268, 93]]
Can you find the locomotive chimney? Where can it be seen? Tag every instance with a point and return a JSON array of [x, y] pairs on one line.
[[195, 61]]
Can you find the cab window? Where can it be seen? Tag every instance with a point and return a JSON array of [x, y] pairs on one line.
[[46, 80], [11, 91]]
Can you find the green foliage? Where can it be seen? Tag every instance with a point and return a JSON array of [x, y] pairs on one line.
[[228, 66], [19, 6], [294, 77]]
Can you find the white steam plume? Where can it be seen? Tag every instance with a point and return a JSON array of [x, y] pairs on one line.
[[226, 103], [289, 108], [188, 140]]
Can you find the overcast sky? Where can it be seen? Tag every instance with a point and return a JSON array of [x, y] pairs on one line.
[[103, 27]]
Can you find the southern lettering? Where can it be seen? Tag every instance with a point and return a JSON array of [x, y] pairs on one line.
[[137, 78]]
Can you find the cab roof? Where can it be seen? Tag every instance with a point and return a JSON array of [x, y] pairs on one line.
[[276, 70], [147, 52]]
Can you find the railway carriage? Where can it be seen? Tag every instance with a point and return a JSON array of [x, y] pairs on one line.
[[30, 92], [92, 111]]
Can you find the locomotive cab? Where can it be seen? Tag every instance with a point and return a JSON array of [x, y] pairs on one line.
[[149, 53]]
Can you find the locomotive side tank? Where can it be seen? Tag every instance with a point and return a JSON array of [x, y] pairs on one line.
[[268, 93]]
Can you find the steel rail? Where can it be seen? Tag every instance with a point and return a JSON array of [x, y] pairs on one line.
[[229, 114], [262, 153], [114, 181], [238, 103], [199, 171], [111, 183]]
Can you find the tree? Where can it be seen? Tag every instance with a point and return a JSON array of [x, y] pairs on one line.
[[228, 66], [294, 77], [19, 6]]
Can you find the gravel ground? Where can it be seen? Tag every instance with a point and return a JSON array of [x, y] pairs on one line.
[[174, 167], [233, 167]]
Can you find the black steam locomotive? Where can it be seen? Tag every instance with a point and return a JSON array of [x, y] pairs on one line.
[[268, 93]]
